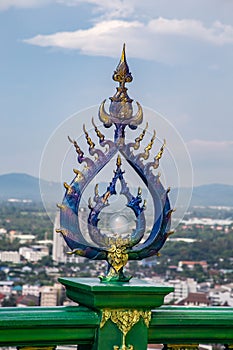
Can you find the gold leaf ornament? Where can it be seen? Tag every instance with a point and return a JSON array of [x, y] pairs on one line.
[[125, 320]]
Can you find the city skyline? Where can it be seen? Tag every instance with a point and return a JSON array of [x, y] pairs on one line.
[[58, 58]]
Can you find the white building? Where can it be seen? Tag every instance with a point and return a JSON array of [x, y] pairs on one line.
[[48, 296], [222, 295], [30, 290], [58, 242], [181, 289], [6, 287], [24, 238], [34, 253], [59, 246], [10, 256], [3, 231]]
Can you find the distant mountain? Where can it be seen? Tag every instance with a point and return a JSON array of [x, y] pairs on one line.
[[23, 186], [207, 195], [213, 194]]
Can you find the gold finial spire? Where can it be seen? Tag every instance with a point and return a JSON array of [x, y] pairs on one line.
[[122, 75]]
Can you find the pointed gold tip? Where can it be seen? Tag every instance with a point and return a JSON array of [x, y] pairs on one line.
[[70, 139], [106, 196], [90, 205], [123, 54], [147, 149], [97, 190], [170, 233], [144, 204], [160, 153], [77, 148], [139, 191], [140, 138], [66, 185], [60, 206], [68, 188], [98, 133], [118, 163], [89, 140], [79, 175]]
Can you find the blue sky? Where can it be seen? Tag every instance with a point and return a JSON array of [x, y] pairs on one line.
[[57, 58]]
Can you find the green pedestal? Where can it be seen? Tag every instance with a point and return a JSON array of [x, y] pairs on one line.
[[124, 308], [135, 294]]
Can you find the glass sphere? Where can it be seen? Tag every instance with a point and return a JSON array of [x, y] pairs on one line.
[[119, 224]]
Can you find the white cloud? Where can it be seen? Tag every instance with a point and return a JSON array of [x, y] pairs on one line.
[[161, 39], [217, 33], [104, 38]]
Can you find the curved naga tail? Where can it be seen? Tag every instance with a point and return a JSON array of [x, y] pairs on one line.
[[69, 222], [162, 209]]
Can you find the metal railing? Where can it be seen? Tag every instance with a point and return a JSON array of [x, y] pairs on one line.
[[175, 327]]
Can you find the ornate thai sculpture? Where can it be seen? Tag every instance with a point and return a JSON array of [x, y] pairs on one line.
[[115, 247]]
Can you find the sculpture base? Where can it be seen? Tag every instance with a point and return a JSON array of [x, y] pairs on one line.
[[136, 294], [115, 279]]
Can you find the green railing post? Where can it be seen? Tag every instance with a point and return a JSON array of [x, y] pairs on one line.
[[124, 310]]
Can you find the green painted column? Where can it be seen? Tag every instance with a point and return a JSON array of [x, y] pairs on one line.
[[124, 309]]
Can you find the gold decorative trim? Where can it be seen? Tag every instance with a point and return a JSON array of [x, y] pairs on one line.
[[89, 140], [125, 320], [140, 138], [147, 149]]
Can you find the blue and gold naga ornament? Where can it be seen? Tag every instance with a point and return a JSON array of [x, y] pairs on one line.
[[114, 247]]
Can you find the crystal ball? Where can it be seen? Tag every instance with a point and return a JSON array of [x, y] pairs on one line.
[[119, 224]]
